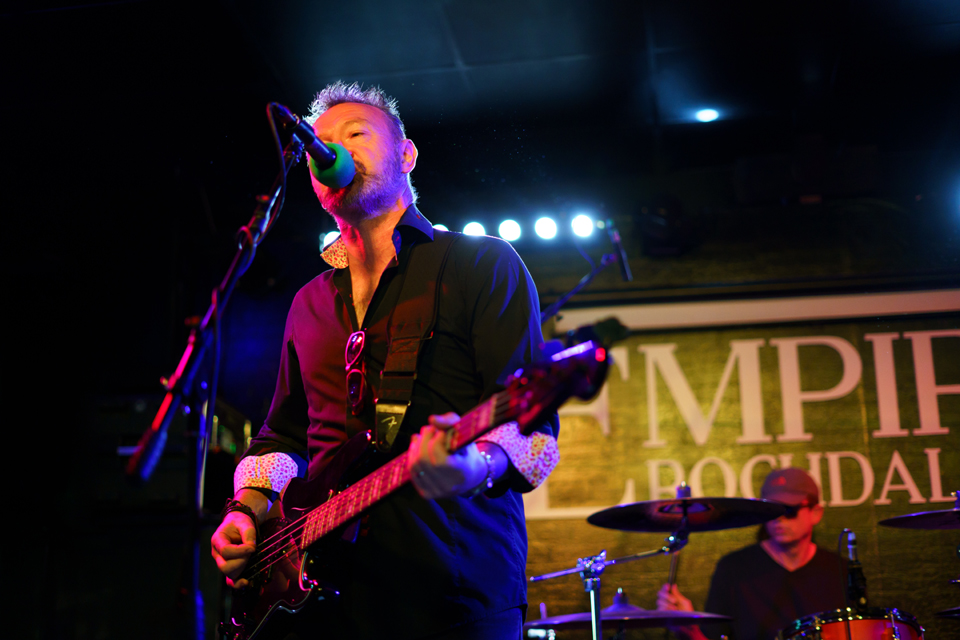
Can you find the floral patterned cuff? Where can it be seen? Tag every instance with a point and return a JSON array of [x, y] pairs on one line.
[[534, 456], [270, 471]]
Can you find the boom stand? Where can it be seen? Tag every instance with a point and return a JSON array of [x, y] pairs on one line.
[[606, 260], [182, 389], [591, 567]]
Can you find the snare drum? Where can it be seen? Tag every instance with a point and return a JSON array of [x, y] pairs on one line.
[[872, 624]]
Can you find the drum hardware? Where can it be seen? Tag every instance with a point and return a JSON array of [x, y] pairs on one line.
[[869, 624], [591, 568], [953, 613], [679, 516], [625, 616], [672, 579], [853, 582]]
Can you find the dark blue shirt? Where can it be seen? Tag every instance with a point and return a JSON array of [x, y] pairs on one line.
[[421, 566]]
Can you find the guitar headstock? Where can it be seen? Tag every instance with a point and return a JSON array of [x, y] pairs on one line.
[[579, 370]]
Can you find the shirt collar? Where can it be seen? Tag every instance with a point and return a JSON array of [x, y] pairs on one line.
[[335, 254]]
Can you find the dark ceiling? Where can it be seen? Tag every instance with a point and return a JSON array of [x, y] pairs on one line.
[[136, 135], [653, 63], [876, 71]]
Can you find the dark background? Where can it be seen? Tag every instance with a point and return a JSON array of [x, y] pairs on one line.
[[135, 141]]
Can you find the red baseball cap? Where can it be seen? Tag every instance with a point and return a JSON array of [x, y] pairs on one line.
[[790, 486]]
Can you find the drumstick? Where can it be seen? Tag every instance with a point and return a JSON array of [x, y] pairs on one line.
[[672, 580], [674, 561]]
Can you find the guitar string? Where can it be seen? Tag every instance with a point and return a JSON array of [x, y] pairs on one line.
[[283, 537], [286, 535], [295, 528], [343, 506]]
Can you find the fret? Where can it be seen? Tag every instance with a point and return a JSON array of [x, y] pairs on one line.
[[345, 506], [351, 502], [301, 540], [331, 506], [309, 532]]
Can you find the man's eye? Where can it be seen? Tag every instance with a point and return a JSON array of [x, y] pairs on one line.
[[356, 133]]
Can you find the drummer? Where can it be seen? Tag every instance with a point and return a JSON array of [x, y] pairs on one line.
[[766, 586]]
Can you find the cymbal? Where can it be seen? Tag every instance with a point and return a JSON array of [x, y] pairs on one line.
[[641, 618], [950, 613], [627, 616], [703, 514], [945, 519]]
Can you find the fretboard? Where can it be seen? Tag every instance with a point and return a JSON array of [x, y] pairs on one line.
[[360, 496]]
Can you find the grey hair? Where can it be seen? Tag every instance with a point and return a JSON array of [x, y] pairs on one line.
[[340, 92]]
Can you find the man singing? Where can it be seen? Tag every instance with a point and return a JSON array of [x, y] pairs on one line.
[[766, 586], [444, 558]]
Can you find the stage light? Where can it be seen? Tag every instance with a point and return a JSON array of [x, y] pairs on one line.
[[509, 230], [707, 115], [474, 229], [546, 228], [328, 239], [582, 225], [442, 227]]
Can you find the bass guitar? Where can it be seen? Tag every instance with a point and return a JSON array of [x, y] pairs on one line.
[[294, 563]]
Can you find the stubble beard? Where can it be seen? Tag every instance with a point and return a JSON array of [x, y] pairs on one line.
[[367, 196]]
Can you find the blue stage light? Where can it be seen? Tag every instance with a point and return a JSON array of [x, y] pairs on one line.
[[474, 229], [582, 225], [546, 228], [328, 239], [509, 230], [707, 115], [442, 227]]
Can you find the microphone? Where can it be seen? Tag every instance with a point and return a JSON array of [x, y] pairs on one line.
[[621, 253], [856, 581], [331, 164]]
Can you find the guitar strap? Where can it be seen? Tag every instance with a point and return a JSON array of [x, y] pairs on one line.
[[411, 325]]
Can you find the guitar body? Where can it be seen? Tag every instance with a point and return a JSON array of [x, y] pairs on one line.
[[297, 578]]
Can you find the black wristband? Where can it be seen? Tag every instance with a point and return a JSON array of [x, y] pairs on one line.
[[235, 505], [487, 482]]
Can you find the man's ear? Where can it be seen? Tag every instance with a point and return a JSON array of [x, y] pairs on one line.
[[408, 155]]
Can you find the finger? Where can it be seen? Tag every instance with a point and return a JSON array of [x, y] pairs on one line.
[[444, 421], [231, 568], [421, 450], [423, 445], [237, 551], [412, 454], [239, 584], [218, 541], [437, 447]]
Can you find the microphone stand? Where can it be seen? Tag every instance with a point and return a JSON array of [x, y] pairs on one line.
[[549, 312], [592, 567], [182, 390], [605, 261]]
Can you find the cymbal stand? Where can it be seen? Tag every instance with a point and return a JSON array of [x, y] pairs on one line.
[[590, 569]]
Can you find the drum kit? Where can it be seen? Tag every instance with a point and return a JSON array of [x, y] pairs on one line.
[[681, 516]]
